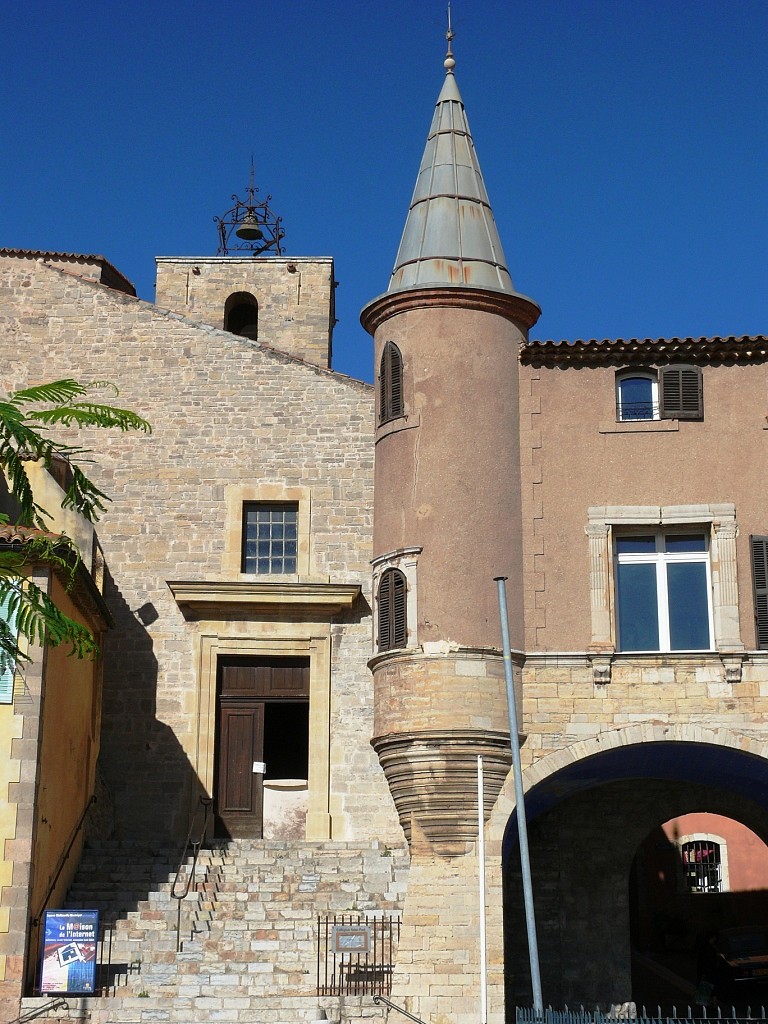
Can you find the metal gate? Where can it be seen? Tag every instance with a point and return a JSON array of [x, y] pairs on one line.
[[356, 953]]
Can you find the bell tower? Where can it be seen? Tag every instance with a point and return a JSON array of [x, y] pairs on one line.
[[447, 492]]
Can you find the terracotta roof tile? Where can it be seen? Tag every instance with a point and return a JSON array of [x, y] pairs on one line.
[[595, 351], [110, 275], [10, 533]]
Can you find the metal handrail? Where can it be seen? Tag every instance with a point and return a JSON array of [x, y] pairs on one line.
[[394, 1006], [64, 859], [193, 844], [34, 922], [38, 1011]]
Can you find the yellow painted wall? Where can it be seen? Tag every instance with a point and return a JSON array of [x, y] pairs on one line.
[[69, 734], [10, 770]]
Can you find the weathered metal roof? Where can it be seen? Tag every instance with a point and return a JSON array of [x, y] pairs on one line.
[[450, 236]]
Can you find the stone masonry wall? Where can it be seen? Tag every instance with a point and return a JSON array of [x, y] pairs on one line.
[[295, 297], [224, 411], [563, 704]]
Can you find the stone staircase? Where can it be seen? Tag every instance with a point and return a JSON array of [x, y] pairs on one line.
[[248, 938]]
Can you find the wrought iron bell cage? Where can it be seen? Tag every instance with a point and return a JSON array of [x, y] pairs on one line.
[[249, 226]]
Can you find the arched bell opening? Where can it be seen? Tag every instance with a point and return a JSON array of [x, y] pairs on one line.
[[241, 315], [586, 824]]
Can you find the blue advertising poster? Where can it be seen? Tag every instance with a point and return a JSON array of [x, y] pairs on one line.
[[69, 951]]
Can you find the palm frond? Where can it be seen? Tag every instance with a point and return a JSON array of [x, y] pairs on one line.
[[28, 611], [90, 414], [55, 392], [84, 496]]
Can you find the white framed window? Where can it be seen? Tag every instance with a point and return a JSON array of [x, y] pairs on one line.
[[717, 522], [637, 396], [663, 590], [671, 392]]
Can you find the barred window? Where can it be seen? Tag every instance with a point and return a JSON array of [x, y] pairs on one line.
[[701, 866], [270, 537], [393, 628]]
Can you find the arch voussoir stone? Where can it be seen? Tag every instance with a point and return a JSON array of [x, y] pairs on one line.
[[641, 733]]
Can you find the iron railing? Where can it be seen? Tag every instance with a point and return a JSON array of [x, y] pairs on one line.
[[34, 931], [38, 1011], [195, 839], [351, 972], [642, 1015], [637, 411], [400, 1009]]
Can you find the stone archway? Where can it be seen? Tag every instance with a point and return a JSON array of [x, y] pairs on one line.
[[590, 806]]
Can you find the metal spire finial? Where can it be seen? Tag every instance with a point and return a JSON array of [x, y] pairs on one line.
[[449, 63]]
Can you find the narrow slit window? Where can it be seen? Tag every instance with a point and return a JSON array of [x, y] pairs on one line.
[[759, 547], [392, 595], [390, 383]]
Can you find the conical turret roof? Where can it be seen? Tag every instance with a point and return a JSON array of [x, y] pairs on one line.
[[450, 236]]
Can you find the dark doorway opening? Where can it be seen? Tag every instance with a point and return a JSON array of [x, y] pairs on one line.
[[262, 733], [286, 739]]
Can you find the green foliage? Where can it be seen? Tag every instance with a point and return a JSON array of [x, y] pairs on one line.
[[26, 418]]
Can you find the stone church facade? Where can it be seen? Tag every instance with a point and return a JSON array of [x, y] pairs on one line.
[[298, 569]]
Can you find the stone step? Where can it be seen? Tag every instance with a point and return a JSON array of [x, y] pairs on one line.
[[248, 926], [261, 1009]]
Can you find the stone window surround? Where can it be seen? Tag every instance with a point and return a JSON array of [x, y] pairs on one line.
[[317, 648], [721, 517], [406, 560], [236, 496]]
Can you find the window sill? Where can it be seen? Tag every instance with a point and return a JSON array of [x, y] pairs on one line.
[[700, 653], [396, 425], [639, 426]]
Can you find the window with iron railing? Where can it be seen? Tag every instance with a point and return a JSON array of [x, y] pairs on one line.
[[701, 866], [672, 392]]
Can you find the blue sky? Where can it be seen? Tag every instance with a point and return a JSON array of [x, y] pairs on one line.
[[623, 143]]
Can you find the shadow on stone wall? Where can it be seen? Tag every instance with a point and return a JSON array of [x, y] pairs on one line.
[[150, 780]]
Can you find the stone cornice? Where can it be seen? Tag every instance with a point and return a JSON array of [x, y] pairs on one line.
[[201, 598], [511, 306]]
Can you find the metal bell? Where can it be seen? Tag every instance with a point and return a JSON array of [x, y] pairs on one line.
[[249, 229]]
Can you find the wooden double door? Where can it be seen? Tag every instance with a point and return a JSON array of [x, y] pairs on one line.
[[262, 732]]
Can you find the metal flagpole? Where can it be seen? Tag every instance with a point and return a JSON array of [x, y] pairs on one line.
[[481, 876], [522, 824]]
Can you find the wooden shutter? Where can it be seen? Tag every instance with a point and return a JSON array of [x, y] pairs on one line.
[[393, 626], [681, 395], [390, 383], [399, 629], [759, 548]]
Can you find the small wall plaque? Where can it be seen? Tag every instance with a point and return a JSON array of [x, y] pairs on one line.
[[351, 939]]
